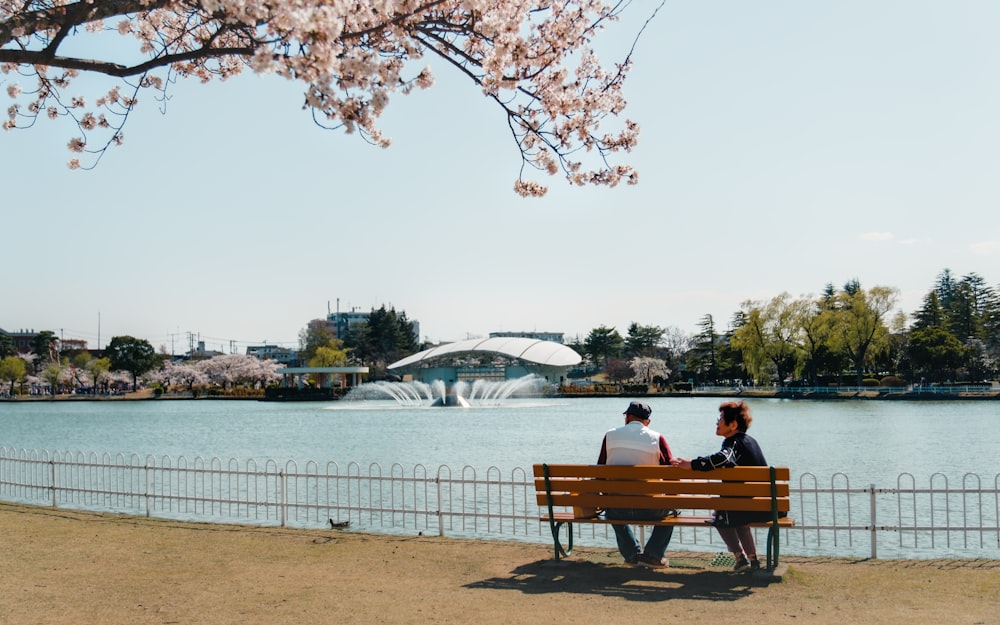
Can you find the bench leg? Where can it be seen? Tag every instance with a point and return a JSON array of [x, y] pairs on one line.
[[559, 550], [773, 546]]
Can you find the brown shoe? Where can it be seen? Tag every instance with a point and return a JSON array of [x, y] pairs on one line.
[[651, 562]]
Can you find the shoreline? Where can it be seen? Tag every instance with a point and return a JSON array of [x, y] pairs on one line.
[[791, 394]]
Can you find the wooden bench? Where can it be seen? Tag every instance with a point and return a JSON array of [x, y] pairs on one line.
[[569, 493]]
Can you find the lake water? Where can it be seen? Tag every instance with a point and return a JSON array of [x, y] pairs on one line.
[[869, 441]]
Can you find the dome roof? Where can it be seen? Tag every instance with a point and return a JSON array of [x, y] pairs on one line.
[[534, 351]]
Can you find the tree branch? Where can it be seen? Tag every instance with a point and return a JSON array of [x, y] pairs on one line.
[[63, 17]]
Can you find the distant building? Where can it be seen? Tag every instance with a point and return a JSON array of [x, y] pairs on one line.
[[554, 337], [21, 339], [343, 323], [284, 355], [73, 345], [200, 353], [497, 358]]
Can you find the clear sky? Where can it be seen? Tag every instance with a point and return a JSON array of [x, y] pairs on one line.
[[784, 146]]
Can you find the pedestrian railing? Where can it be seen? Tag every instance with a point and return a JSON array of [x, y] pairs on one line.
[[929, 390], [946, 517]]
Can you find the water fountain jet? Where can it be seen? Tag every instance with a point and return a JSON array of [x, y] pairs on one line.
[[436, 394]]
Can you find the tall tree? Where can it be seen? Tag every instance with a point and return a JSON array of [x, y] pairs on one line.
[[316, 334], [861, 327], [43, 345], [704, 359], [770, 338], [534, 60], [12, 369], [931, 314], [602, 344], [675, 343], [98, 369], [935, 352], [819, 356], [137, 356], [642, 340], [54, 375], [6, 346], [945, 288], [386, 337]]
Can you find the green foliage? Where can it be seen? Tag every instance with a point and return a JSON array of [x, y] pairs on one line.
[[329, 355], [771, 337], [635, 389], [603, 344], [643, 340], [892, 381], [314, 336], [860, 323], [7, 346], [12, 370], [703, 358], [386, 337], [52, 376], [935, 352], [43, 345], [137, 356]]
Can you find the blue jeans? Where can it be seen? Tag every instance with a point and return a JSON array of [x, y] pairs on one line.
[[628, 545]]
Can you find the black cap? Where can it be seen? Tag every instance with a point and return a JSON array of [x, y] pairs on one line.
[[639, 409]]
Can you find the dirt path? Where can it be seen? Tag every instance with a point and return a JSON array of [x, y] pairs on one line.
[[68, 567]]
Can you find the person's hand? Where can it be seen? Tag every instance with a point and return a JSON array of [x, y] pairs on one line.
[[683, 463]]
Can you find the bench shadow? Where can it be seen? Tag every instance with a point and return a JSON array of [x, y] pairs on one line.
[[632, 584]]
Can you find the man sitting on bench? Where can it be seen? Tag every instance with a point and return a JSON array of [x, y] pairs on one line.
[[631, 444]]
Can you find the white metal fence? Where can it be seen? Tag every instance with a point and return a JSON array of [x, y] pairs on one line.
[[906, 520]]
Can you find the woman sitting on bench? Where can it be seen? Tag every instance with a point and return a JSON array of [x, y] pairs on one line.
[[738, 449]]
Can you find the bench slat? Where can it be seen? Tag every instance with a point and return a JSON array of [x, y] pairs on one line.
[[663, 502], [684, 520], [664, 487], [654, 471]]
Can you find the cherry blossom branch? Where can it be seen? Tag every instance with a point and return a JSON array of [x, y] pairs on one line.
[[533, 58]]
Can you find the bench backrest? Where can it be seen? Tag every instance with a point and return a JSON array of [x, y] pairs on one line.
[[661, 487]]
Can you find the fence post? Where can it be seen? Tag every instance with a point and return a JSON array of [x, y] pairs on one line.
[[873, 522], [282, 498], [145, 470], [52, 476], [440, 516]]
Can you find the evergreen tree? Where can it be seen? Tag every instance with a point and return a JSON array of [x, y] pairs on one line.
[[642, 340], [931, 314], [603, 344], [705, 360]]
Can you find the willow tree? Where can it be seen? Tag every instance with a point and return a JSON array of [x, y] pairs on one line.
[[861, 327], [818, 341], [770, 337], [534, 59]]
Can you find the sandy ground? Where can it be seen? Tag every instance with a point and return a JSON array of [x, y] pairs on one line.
[[63, 566]]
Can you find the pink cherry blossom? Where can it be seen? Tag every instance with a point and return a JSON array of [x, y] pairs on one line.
[[533, 58]]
